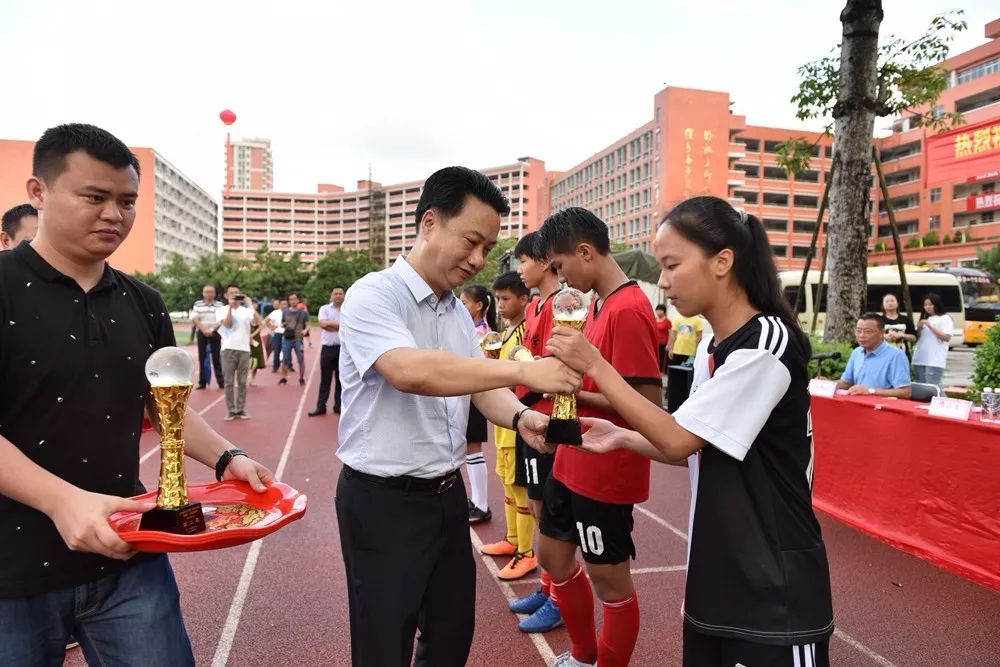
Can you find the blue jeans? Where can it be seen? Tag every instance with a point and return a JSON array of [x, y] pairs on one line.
[[928, 374], [133, 618], [287, 345]]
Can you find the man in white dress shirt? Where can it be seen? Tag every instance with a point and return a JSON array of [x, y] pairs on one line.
[[409, 362]]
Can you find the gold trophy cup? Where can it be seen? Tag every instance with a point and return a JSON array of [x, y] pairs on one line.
[[569, 309], [169, 373], [491, 344]]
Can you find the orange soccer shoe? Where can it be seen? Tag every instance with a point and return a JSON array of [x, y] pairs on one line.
[[501, 548], [518, 567]]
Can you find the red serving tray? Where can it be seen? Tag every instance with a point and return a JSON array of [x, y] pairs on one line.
[[234, 514]]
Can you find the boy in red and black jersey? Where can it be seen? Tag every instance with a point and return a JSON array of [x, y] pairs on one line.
[[589, 499], [533, 468]]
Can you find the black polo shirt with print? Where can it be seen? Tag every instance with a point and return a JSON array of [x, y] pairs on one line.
[[72, 396]]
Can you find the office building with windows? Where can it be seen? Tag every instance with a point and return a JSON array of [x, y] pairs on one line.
[[173, 214], [373, 216]]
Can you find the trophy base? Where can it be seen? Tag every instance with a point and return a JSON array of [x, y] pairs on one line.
[[186, 520], [564, 432]]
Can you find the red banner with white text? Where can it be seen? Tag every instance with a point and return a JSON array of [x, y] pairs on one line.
[[962, 154]]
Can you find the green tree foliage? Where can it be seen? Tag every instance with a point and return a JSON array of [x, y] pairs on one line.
[[987, 369], [340, 267], [988, 260], [267, 275]]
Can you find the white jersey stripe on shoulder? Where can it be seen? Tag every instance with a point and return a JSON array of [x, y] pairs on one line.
[[765, 333], [783, 330], [795, 656], [807, 649]]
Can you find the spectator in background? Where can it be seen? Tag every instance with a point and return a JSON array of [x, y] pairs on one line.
[[295, 320], [663, 326], [276, 320], [930, 356], [329, 361], [257, 332], [209, 341], [235, 321], [304, 305], [899, 329], [684, 338], [19, 224], [875, 367]]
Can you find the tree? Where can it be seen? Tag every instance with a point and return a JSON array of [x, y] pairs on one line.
[[866, 81], [340, 267], [271, 274], [988, 260]]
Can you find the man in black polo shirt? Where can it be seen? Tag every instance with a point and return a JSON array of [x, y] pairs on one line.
[[74, 338]]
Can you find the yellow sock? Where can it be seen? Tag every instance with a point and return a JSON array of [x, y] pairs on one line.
[[525, 522], [510, 512]]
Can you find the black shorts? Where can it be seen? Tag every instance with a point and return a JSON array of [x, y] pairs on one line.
[[476, 431], [708, 651], [603, 531], [532, 468]]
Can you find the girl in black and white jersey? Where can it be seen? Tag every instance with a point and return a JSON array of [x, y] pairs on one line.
[[758, 584]]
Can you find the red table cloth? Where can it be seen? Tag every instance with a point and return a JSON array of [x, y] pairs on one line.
[[927, 485]]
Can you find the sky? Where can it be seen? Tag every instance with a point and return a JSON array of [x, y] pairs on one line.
[[408, 87]]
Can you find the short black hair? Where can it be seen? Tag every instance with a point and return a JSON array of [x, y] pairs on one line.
[[874, 317], [57, 143], [231, 285], [295, 294], [338, 286], [530, 246], [446, 189], [661, 306], [511, 281], [565, 229], [12, 218]]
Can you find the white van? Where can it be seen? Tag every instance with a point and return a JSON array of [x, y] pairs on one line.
[[881, 281]]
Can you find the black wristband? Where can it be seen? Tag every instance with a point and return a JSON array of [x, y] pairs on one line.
[[516, 419], [225, 459]]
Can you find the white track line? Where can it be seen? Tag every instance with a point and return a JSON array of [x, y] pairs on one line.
[[878, 659], [538, 639], [145, 457], [225, 644], [663, 522], [839, 634]]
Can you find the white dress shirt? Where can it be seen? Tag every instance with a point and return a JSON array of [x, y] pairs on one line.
[[384, 431]]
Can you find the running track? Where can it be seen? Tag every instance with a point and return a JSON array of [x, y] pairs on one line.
[[282, 600]]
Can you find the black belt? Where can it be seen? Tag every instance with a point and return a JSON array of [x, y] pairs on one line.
[[407, 483]]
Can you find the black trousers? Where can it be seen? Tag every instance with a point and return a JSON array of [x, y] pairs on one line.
[[210, 345], [329, 361], [410, 566]]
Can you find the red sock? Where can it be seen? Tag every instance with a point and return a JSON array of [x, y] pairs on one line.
[[576, 602], [621, 628], [546, 583]]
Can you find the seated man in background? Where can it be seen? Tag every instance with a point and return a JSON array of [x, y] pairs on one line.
[[876, 367]]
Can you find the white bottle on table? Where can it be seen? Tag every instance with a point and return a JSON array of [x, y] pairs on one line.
[[988, 400]]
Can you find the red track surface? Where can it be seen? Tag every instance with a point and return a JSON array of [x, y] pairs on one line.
[[282, 600]]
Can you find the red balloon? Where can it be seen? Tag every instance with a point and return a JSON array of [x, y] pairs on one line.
[[228, 117]]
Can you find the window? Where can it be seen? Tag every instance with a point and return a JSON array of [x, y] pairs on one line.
[[749, 197], [935, 221], [750, 170], [772, 146], [779, 250], [775, 225], [806, 201], [979, 70], [775, 173], [803, 226], [800, 251], [775, 199], [935, 195], [751, 144]]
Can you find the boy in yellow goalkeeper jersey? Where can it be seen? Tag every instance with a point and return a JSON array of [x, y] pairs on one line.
[[512, 299]]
